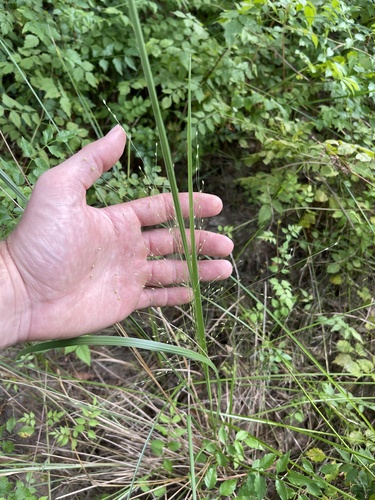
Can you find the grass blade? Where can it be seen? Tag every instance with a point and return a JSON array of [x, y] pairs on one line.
[[8, 181], [160, 126], [101, 340]]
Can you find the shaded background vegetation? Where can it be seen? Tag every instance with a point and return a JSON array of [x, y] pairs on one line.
[[283, 116]]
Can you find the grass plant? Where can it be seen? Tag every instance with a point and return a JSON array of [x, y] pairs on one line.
[[190, 253], [286, 361]]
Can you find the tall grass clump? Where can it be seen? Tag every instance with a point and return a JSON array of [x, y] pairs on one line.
[[264, 387]]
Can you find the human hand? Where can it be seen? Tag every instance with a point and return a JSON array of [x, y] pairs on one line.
[[79, 269]]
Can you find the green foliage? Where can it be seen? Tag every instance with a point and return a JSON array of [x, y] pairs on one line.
[[307, 56], [329, 195], [286, 89], [311, 73], [18, 490], [76, 428], [314, 124]]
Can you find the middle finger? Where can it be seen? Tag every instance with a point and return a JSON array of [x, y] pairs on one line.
[[168, 241]]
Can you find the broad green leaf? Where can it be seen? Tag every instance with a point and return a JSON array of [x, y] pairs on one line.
[[9, 102], [297, 479], [366, 366], [10, 424], [26, 118], [282, 463], [174, 445], [328, 171], [314, 489], [159, 492], [104, 64], [47, 135], [281, 489], [330, 471], [87, 66], [348, 364], [265, 462], [316, 455], [320, 196], [315, 40], [73, 57], [26, 431], [78, 74], [223, 435], [91, 79], [228, 487], [178, 13], [65, 135], [56, 151], [118, 65], [168, 465], [49, 87], [333, 268], [221, 459], [346, 149], [66, 105], [247, 488], [112, 10], [241, 435], [232, 29], [130, 63], [210, 478], [310, 12], [199, 95], [307, 220], [166, 102], [6, 68], [344, 346], [260, 486], [8, 447], [15, 118], [157, 446], [336, 279], [84, 354], [31, 41], [265, 215], [363, 157], [27, 148]]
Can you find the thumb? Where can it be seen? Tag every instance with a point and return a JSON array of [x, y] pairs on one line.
[[86, 166]]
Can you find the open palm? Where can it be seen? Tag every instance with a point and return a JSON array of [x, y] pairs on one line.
[[84, 268]]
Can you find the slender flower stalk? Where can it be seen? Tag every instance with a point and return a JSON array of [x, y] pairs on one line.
[[190, 254]]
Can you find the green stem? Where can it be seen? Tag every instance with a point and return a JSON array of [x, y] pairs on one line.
[[159, 124], [191, 457], [190, 255]]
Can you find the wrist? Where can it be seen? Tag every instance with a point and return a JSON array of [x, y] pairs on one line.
[[15, 312]]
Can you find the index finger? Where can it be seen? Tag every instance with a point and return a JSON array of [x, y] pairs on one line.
[[160, 208]]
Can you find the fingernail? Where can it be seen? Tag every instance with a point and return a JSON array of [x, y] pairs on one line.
[[116, 130]]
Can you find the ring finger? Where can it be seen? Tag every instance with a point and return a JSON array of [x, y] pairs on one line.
[[166, 272]]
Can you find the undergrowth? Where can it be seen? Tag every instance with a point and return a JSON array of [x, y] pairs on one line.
[[281, 96]]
